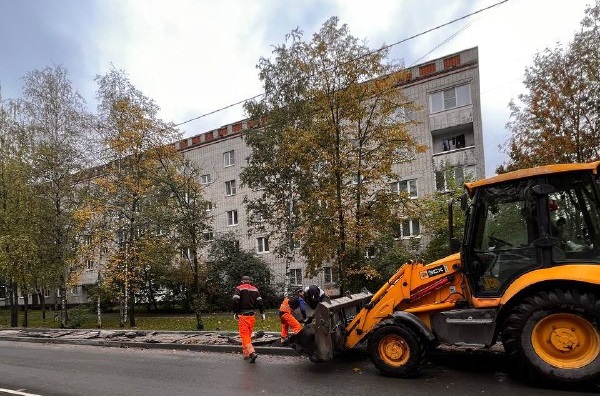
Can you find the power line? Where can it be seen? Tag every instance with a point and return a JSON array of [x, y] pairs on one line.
[[362, 56]]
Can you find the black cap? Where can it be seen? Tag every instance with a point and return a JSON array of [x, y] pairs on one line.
[[246, 279]]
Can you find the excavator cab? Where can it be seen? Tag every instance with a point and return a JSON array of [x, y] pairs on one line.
[[520, 225]]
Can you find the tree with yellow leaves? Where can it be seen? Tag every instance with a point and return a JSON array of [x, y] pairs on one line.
[[329, 122]]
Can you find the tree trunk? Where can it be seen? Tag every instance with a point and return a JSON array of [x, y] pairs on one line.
[[131, 309], [43, 302], [26, 310], [122, 311], [14, 305], [99, 311], [63, 306]]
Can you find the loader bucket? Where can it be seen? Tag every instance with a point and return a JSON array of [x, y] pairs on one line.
[[323, 339]]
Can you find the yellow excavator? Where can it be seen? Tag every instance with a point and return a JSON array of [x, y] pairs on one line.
[[526, 273]]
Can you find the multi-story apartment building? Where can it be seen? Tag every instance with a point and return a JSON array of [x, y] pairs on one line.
[[447, 120]]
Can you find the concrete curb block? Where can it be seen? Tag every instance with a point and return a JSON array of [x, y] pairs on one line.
[[264, 350]]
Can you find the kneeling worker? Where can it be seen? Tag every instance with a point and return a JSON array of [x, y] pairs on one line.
[[286, 316]]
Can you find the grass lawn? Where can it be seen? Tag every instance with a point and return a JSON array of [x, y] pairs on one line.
[[144, 321]]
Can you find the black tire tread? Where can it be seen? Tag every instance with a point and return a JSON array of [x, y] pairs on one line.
[[559, 300]]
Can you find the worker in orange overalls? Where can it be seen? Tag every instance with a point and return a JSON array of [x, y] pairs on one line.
[[286, 316], [246, 300]]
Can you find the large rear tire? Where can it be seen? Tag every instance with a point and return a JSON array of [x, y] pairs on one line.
[[396, 351], [554, 336]]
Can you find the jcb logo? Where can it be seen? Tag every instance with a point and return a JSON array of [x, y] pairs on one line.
[[433, 271]]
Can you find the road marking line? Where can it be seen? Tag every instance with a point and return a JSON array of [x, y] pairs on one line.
[[12, 392]]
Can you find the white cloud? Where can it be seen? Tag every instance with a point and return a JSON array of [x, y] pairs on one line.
[[193, 57]]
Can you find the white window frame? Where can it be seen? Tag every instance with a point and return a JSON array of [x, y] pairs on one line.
[[229, 158], [230, 188], [295, 276], [262, 245], [232, 218], [205, 179], [89, 264], [410, 228], [409, 186], [458, 173], [208, 235], [329, 275], [370, 252], [450, 98]]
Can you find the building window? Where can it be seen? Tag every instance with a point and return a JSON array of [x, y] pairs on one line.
[[371, 252], [229, 158], [329, 275], [230, 187], [295, 276], [444, 179], [74, 290], [408, 187], [208, 235], [186, 253], [46, 293], [232, 217], [89, 265], [410, 228], [208, 206], [262, 245], [2, 291], [450, 98], [87, 240], [205, 179], [453, 143]]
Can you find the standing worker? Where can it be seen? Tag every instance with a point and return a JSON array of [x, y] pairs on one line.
[[246, 300], [288, 321]]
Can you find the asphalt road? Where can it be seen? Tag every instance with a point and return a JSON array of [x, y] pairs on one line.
[[53, 369]]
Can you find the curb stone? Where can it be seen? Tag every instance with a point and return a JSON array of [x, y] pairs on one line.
[[222, 342]]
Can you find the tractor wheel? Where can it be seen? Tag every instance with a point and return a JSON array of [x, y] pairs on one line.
[[396, 351], [554, 336]]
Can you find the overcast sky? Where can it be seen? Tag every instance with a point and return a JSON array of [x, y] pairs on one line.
[[193, 57]]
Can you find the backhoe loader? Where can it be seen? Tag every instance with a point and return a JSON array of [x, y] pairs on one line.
[[526, 273]]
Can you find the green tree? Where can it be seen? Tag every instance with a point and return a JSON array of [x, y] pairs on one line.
[[126, 187], [18, 205], [190, 217], [330, 122], [558, 119], [227, 263], [59, 124]]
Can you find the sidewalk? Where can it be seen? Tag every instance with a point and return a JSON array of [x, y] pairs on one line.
[[207, 341]]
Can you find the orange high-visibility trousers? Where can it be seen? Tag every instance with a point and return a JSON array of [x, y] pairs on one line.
[[289, 322], [245, 326]]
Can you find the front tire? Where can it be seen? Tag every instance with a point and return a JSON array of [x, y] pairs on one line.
[[396, 351], [554, 336]]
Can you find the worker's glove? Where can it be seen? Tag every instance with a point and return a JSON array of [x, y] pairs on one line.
[[235, 316], [262, 316]]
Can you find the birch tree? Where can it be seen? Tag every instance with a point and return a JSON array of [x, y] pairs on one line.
[[59, 123], [134, 139]]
